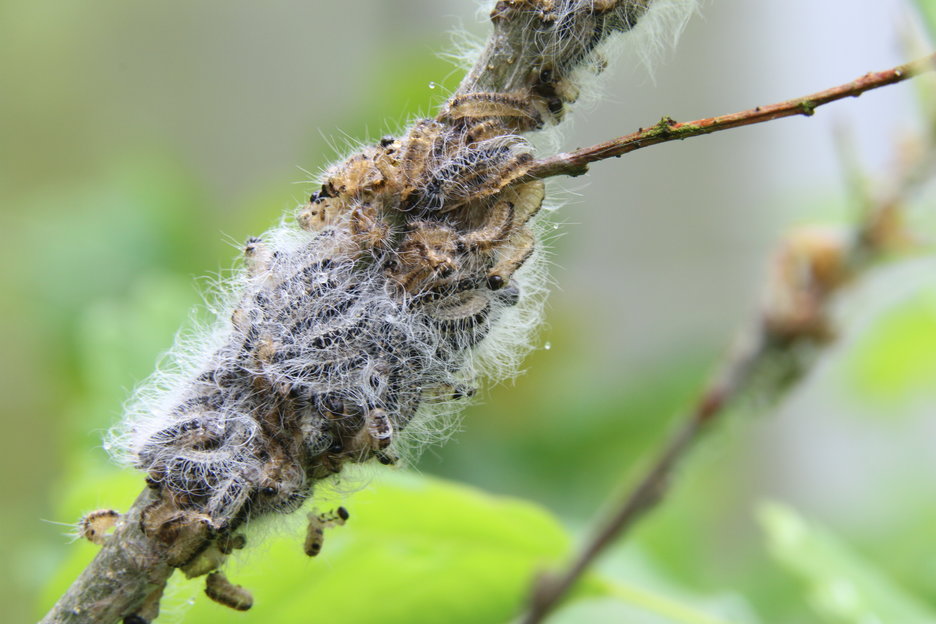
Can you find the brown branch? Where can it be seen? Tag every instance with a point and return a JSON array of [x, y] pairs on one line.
[[576, 162]]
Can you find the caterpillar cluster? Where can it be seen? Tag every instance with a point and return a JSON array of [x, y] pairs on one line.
[[412, 271]]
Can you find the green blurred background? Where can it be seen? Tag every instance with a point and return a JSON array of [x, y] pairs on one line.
[[141, 142]]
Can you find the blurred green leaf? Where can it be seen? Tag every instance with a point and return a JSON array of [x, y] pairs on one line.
[[142, 214], [896, 357], [928, 11], [632, 575], [656, 610], [844, 587], [652, 606], [119, 340]]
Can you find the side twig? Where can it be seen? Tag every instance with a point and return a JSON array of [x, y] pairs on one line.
[[810, 267], [576, 163]]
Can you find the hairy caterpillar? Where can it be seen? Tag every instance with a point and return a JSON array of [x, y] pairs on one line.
[[95, 525], [410, 274]]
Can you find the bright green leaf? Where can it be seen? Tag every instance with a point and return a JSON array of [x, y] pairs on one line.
[[843, 586]]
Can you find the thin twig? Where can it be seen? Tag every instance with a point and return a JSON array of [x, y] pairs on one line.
[[796, 314], [576, 162]]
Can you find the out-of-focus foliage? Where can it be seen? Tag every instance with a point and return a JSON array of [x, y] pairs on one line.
[[896, 357], [842, 586], [618, 610], [928, 11], [110, 218]]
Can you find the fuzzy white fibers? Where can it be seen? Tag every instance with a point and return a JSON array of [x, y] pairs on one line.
[[315, 359]]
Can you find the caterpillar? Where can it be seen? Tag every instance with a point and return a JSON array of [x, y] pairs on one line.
[[414, 271]]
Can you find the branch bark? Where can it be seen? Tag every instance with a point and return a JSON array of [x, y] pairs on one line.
[[576, 163], [129, 568]]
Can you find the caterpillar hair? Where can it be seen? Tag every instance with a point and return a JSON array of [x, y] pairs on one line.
[[358, 328]]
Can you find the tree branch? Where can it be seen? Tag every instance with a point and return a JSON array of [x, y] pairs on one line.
[[125, 580], [576, 163], [129, 568]]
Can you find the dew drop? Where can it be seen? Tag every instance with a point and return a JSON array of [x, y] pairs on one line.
[[432, 85], [547, 346], [555, 226]]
